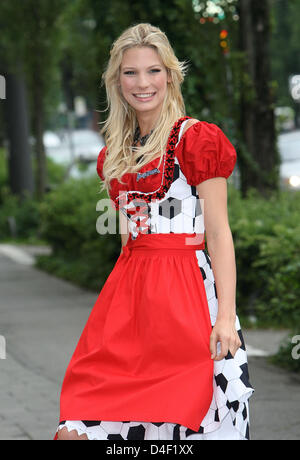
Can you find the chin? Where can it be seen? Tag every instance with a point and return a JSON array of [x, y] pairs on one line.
[[144, 107]]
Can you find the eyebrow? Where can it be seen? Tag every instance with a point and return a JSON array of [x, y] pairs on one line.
[[154, 65]]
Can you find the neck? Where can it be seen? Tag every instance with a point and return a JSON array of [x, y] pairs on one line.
[[146, 122]]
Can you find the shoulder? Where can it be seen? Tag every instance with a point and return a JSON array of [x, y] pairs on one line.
[[202, 127], [197, 130], [190, 122]]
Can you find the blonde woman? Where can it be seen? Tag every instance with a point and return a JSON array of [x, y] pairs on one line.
[[162, 355]]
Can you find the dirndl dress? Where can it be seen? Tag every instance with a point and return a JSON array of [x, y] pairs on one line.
[[142, 369]]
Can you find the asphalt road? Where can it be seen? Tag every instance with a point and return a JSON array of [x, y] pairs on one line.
[[42, 318]]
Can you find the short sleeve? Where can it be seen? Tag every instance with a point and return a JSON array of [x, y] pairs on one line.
[[100, 161], [205, 152]]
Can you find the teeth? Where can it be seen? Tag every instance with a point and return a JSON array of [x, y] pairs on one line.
[[144, 95]]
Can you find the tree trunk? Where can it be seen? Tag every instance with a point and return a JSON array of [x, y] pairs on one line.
[[259, 157], [38, 131], [19, 164]]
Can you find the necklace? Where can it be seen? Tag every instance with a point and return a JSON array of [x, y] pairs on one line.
[[142, 139], [138, 138]]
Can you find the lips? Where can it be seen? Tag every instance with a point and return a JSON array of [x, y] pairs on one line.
[[144, 96]]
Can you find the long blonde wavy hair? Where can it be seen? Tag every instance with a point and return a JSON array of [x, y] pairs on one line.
[[119, 127]]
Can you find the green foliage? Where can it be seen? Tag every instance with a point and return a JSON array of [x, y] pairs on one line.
[[3, 168], [285, 357], [19, 218], [266, 236], [68, 223], [56, 173], [68, 214], [284, 46]]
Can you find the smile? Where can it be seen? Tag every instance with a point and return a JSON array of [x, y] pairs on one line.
[[144, 96]]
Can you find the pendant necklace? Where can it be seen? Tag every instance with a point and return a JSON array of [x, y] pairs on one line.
[[142, 139], [137, 137]]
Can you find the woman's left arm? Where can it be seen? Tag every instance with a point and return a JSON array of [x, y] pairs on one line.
[[220, 246]]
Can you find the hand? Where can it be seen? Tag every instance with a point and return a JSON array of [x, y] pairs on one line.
[[224, 331]]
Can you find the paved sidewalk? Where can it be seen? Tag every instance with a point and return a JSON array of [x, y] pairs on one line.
[[42, 318]]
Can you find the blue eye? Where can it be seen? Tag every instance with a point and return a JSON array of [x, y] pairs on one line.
[[131, 72]]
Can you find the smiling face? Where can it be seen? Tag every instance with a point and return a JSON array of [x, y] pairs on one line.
[[143, 79]]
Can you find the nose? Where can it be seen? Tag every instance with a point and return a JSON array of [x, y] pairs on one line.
[[142, 81]]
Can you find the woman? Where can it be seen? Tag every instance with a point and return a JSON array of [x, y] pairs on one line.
[[162, 355]]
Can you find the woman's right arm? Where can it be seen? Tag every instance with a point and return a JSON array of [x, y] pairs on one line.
[[123, 229]]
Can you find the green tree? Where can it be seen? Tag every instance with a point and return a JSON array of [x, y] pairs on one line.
[[259, 158], [285, 56], [32, 32], [65, 46]]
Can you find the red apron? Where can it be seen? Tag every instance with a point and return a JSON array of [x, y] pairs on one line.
[[144, 353]]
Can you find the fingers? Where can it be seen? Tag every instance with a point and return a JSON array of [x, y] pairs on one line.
[[235, 344], [224, 349], [213, 346], [220, 346]]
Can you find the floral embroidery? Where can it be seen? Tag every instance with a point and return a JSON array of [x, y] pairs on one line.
[[168, 173]]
